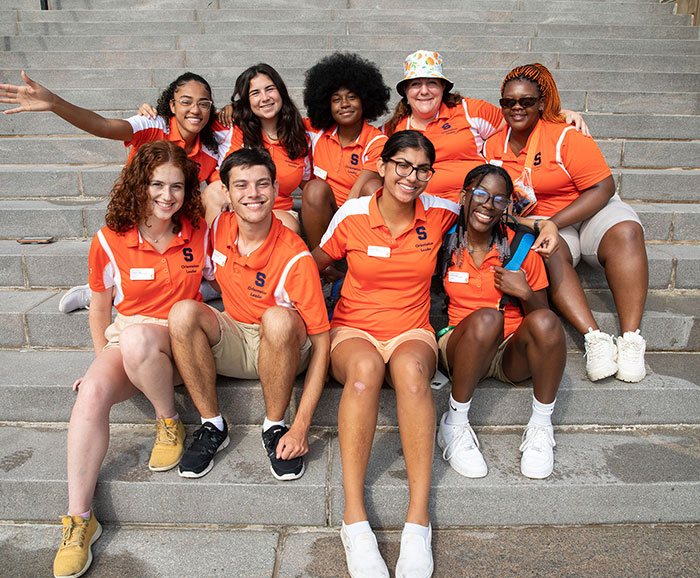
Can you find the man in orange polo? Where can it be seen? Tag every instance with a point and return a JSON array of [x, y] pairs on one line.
[[274, 324]]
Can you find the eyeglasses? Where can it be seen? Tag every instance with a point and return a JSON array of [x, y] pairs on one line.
[[188, 102], [481, 197], [525, 102], [404, 169]]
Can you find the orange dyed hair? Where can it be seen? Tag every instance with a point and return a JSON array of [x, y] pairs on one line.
[[129, 202], [539, 74]]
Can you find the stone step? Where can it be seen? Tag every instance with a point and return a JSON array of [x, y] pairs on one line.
[[597, 479], [36, 388], [60, 181], [659, 184]]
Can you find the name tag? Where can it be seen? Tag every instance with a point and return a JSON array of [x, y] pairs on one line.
[[218, 258], [374, 251], [320, 173], [496, 163], [142, 274], [457, 277]]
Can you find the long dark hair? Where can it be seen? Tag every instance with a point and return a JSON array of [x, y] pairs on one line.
[[290, 126]]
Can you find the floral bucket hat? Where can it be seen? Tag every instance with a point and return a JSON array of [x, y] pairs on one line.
[[423, 64]]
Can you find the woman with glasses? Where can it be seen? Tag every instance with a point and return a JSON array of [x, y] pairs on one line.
[[457, 126], [511, 339], [574, 188]]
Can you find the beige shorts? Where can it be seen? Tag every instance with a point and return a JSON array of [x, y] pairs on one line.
[[384, 348], [291, 212], [236, 353], [495, 369], [583, 239]]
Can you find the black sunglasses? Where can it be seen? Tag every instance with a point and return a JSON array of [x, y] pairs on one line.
[[525, 102]]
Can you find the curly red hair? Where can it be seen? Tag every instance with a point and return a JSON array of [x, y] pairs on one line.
[[129, 202], [539, 74]]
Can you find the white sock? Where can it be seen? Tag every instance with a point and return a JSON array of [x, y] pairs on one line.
[[458, 413], [83, 515], [541, 412], [267, 424], [354, 530], [422, 531], [217, 422]]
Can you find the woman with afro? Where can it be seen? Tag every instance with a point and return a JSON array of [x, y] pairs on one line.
[[342, 94]]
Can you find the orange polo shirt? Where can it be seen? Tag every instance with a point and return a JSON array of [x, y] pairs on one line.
[[458, 135], [387, 288], [566, 164], [281, 272], [146, 282], [470, 287], [149, 130], [290, 172], [340, 166]]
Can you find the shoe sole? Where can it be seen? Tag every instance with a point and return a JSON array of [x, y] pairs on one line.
[[630, 377], [432, 569], [62, 303], [602, 374], [535, 475], [347, 559], [94, 538], [442, 444], [190, 474]]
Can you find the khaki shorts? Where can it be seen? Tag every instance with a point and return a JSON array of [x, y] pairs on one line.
[[291, 212], [384, 348], [495, 369], [236, 353], [583, 239]]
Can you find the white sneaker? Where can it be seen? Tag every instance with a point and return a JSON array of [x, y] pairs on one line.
[[630, 357], [362, 555], [75, 298], [416, 556], [461, 449], [537, 446], [600, 354]]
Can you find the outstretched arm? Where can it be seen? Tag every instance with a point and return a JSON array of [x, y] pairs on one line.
[[34, 98]]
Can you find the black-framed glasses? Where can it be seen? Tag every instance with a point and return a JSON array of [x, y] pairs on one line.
[[404, 169], [525, 102], [188, 102], [480, 197]]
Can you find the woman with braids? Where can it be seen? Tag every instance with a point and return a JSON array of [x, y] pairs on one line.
[[575, 190], [457, 126], [510, 339], [343, 93], [152, 252]]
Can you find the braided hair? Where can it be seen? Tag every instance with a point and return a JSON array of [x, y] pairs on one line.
[[539, 74]]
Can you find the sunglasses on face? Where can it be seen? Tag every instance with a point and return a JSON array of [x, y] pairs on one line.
[[480, 197], [525, 102]]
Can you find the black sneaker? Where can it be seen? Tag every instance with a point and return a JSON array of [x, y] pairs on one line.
[[281, 469], [198, 459]]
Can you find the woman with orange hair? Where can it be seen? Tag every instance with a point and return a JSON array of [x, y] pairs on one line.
[[573, 187]]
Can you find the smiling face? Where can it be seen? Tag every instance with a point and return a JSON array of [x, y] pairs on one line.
[[346, 107], [264, 97], [518, 117], [403, 189], [191, 119], [481, 218], [166, 190], [424, 96], [252, 192]]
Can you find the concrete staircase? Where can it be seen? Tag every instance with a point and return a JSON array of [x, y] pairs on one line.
[[626, 453]]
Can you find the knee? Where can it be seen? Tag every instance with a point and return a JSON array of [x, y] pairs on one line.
[[484, 327], [367, 375], [317, 192], [416, 379], [136, 346], [94, 398], [184, 319], [624, 237], [281, 325], [545, 327]]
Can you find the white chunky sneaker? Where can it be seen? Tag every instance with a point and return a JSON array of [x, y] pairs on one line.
[[461, 449], [600, 354], [537, 446], [630, 357], [75, 298], [416, 556], [362, 555]]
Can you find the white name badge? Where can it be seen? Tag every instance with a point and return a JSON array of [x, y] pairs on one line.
[[218, 258], [320, 173], [457, 277], [374, 251], [496, 163], [142, 274]]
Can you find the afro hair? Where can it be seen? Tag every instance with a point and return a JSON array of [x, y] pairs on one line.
[[344, 70]]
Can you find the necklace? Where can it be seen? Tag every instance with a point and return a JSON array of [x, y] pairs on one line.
[[151, 239], [270, 137], [471, 250]]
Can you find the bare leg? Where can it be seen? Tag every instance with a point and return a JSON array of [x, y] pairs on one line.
[[105, 384], [193, 330], [214, 198], [317, 209], [357, 365], [411, 366], [624, 257], [288, 221]]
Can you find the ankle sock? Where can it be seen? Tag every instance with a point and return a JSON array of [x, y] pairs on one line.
[[458, 412], [354, 530], [422, 531], [217, 422], [541, 412], [267, 424], [84, 515]]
